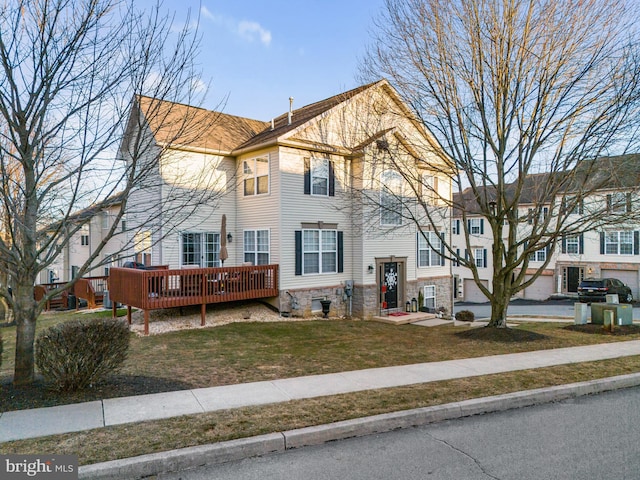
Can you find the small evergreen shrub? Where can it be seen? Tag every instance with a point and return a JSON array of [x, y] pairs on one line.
[[76, 354], [465, 316]]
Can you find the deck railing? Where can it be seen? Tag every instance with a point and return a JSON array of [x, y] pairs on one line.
[[162, 288]]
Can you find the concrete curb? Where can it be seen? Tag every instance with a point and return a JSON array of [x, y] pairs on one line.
[[193, 457]]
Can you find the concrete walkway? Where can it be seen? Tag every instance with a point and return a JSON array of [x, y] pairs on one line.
[[21, 424]]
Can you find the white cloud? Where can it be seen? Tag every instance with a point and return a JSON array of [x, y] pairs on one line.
[[207, 14], [248, 30]]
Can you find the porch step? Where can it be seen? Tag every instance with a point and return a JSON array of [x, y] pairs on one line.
[[403, 318]]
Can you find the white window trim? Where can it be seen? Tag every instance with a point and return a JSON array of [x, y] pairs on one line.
[[433, 288], [423, 245], [392, 195], [320, 251], [478, 256], [311, 173], [203, 251], [618, 242], [475, 226], [571, 242], [256, 251], [539, 255], [254, 162]]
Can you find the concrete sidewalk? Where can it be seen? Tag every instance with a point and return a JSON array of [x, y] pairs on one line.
[[21, 424]]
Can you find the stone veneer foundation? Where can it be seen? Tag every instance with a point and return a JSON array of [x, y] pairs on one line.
[[364, 303]]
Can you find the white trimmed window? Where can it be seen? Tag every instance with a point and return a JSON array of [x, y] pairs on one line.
[[201, 249], [256, 176], [618, 243], [256, 247], [429, 188], [573, 244], [390, 198], [429, 247], [319, 251], [320, 176], [429, 292], [478, 255], [475, 226], [538, 255]]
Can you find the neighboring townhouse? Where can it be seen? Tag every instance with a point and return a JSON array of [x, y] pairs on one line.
[[606, 250], [314, 191], [95, 222]]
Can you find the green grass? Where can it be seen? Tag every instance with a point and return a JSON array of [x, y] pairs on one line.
[[246, 352]]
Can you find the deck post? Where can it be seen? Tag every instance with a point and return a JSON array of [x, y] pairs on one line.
[[114, 310], [146, 322], [129, 314], [203, 314]]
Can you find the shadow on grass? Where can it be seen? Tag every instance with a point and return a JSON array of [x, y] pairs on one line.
[[38, 394], [501, 335], [594, 329]]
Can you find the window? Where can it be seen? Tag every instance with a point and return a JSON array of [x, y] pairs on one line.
[[84, 240], [319, 251], [618, 243], [429, 296], [573, 206], [390, 198], [430, 189], [455, 227], [542, 212], [256, 176], [201, 249], [429, 256], [256, 247], [479, 254], [475, 226], [619, 202], [572, 244], [319, 176], [142, 246], [538, 255]]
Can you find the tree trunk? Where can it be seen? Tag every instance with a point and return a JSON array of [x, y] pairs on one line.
[[25, 314], [499, 313]]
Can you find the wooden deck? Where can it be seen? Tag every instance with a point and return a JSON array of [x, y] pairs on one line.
[[162, 288]]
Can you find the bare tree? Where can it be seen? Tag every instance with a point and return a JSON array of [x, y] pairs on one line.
[[77, 76], [523, 97]]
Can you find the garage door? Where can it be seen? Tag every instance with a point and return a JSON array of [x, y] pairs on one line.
[[629, 277], [472, 292], [541, 289]]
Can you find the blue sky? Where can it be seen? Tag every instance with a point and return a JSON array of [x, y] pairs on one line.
[[260, 53]]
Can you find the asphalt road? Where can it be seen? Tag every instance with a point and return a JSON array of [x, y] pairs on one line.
[[588, 437], [563, 308]]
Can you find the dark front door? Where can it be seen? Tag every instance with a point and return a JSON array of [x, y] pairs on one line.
[[573, 279], [390, 284]]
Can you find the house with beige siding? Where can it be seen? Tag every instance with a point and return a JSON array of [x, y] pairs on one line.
[[606, 248], [314, 191], [93, 225]]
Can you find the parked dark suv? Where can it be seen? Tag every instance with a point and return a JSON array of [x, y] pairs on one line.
[[595, 289]]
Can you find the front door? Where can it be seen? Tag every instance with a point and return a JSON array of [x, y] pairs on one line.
[[573, 279], [390, 280]]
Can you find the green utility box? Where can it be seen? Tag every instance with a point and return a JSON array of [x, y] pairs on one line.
[[622, 313]]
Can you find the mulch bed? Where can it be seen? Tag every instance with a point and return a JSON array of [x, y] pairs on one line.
[[594, 329], [503, 335], [39, 395]]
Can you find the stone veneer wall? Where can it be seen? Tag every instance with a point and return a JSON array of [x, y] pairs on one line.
[[365, 298]]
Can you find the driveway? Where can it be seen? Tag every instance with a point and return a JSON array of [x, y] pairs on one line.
[[560, 308]]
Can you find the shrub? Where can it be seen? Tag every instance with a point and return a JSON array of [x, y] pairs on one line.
[[76, 354], [465, 316]]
